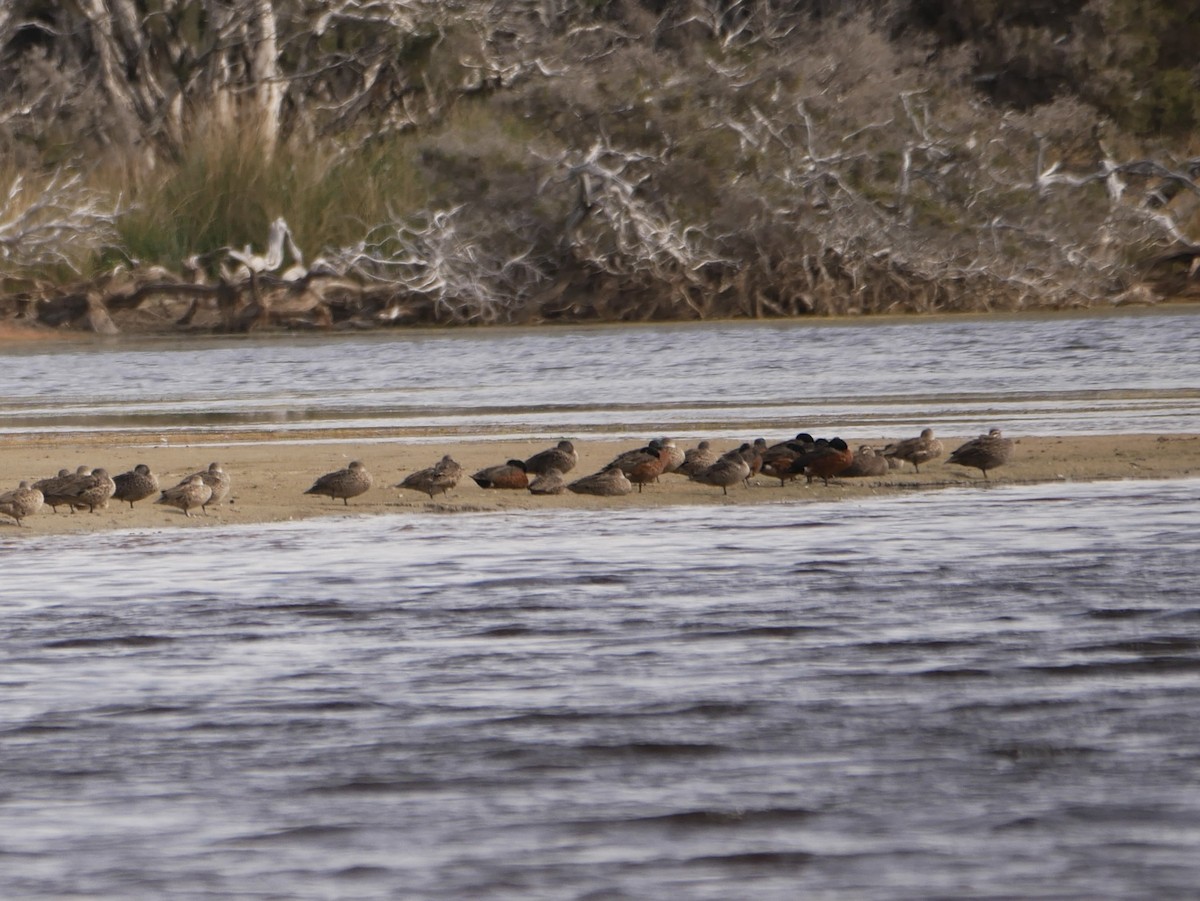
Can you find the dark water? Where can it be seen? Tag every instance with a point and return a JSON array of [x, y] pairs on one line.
[[1134, 373], [967, 694]]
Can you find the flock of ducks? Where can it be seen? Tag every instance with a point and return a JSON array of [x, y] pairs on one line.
[[89, 489], [542, 474], [545, 472]]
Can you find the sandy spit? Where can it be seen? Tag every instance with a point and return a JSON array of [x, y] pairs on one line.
[[270, 476]]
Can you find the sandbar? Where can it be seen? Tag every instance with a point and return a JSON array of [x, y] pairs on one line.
[[270, 476]]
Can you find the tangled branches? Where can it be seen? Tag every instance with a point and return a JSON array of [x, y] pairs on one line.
[[57, 223]]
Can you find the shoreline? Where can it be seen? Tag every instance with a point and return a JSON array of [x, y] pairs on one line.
[[14, 333], [270, 477]]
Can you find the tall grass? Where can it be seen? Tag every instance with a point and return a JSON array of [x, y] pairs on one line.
[[225, 189]]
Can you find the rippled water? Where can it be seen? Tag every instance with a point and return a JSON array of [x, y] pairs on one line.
[[1061, 375], [971, 693], [984, 693]]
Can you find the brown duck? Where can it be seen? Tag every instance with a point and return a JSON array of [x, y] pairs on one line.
[[697, 459], [561, 458], [866, 463], [608, 482], [344, 483], [917, 450], [22, 501], [436, 479], [136, 485], [91, 491], [729, 469], [55, 490], [983, 453], [551, 482], [187, 495], [216, 479]]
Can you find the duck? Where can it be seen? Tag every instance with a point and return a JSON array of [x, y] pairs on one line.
[[55, 489], [215, 478], [22, 501], [189, 494], [507, 475], [777, 459], [697, 459], [917, 450], [608, 482], [983, 453], [436, 479], [51, 487], [673, 456], [91, 491], [867, 462], [551, 482], [643, 471], [626, 460], [136, 485], [644, 464], [729, 469], [824, 461], [752, 453], [344, 483], [561, 458]]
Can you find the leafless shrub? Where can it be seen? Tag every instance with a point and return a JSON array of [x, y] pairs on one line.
[[436, 259], [58, 222]]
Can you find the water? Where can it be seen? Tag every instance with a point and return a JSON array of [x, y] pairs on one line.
[[984, 693], [1082, 374], [968, 693]]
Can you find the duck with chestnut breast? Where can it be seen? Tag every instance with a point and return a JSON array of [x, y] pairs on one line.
[[510, 475], [824, 462], [777, 459]]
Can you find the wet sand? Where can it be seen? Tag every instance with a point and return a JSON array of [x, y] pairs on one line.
[[270, 476]]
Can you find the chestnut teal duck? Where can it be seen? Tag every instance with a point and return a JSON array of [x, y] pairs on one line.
[[510, 475]]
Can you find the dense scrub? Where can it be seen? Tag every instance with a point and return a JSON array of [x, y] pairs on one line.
[[245, 163]]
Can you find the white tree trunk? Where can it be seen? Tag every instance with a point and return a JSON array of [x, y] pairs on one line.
[[264, 72]]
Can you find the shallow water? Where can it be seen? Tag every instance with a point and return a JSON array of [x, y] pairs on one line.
[[1132, 373], [985, 693]]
